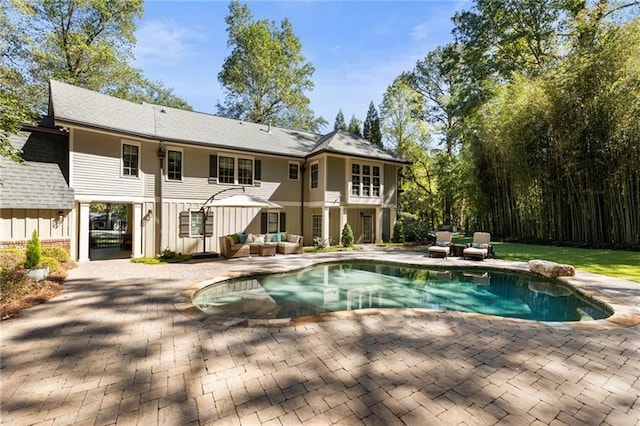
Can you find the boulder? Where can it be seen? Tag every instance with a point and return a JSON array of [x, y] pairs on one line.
[[551, 269]]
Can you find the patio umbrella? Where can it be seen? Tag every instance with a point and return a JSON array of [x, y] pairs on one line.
[[237, 200], [242, 200]]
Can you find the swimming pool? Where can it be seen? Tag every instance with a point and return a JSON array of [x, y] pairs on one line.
[[346, 286]]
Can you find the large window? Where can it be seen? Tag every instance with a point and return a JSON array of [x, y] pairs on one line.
[[355, 179], [130, 160], [365, 180], [314, 175], [226, 170], [294, 171], [174, 165], [245, 171]]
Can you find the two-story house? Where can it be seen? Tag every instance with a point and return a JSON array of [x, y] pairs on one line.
[[163, 163]]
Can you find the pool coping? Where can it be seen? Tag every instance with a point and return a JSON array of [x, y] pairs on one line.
[[612, 293]]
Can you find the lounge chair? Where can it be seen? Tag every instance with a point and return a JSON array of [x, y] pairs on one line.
[[479, 248], [442, 246]]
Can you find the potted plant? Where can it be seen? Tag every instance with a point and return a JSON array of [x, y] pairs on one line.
[[33, 255]]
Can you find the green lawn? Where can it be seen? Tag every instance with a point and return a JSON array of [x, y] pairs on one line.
[[614, 263]]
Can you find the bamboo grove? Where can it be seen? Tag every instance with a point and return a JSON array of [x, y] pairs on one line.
[[547, 120]]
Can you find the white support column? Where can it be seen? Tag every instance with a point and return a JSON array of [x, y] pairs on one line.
[[393, 218], [73, 232], [136, 237], [83, 240], [325, 223], [378, 238], [343, 218]]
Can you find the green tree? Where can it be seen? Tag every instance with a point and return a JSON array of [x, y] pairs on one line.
[[266, 76], [33, 252], [339, 123], [347, 236], [371, 127], [87, 43], [354, 126], [406, 132]]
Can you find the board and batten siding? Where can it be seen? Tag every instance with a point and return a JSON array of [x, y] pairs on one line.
[[390, 185], [97, 167], [18, 224]]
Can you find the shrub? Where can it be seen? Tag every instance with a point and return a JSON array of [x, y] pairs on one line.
[[320, 243], [49, 262], [398, 232], [347, 236], [11, 258], [58, 253], [34, 251]]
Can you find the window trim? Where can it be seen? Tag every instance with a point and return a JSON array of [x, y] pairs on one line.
[[181, 151], [137, 145], [202, 225], [313, 225], [236, 169], [317, 164], [297, 164], [371, 177]]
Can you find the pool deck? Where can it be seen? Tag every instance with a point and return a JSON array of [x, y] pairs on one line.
[[121, 345]]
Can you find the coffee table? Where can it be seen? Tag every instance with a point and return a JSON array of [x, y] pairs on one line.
[[267, 249]]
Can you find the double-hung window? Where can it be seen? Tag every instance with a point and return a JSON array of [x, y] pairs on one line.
[[317, 226], [294, 171], [226, 170], [366, 181], [130, 160], [355, 179], [245, 171], [376, 181], [196, 223], [314, 175], [174, 165]]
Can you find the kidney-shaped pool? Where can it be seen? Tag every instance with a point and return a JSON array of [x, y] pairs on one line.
[[346, 286]]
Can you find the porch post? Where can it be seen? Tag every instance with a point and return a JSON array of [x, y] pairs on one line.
[[325, 224], [83, 237], [378, 238], [136, 231], [343, 218]]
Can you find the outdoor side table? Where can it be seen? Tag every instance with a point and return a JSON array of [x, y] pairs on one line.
[[267, 249], [458, 249]]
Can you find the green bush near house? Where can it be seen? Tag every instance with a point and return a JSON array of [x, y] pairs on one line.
[[34, 251], [58, 253], [49, 262], [347, 236]]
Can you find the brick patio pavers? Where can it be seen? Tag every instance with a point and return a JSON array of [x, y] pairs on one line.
[[113, 349]]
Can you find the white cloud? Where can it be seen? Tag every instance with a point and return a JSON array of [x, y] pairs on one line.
[[164, 42], [419, 32]]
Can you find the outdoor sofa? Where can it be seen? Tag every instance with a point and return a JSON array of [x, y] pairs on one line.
[[241, 245]]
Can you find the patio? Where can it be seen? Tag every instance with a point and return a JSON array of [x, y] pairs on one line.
[[113, 349]]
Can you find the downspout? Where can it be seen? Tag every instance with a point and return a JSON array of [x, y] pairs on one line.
[[161, 154], [303, 169]]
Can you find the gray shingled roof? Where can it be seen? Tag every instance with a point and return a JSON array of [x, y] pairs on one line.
[[31, 184], [343, 142], [74, 105]]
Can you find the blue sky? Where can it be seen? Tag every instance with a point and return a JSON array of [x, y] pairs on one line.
[[356, 47]]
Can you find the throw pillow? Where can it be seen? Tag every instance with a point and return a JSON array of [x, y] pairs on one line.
[[242, 238], [258, 240], [268, 238], [235, 238], [249, 238], [283, 236], [292, 238], [443, 243], [480, 246], [276, 238]]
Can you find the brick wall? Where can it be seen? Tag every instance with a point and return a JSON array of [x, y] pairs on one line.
[[65, 243]]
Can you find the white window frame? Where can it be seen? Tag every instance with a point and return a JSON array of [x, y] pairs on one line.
[[314, 218], [361, 175], [317, 164], [202, 224], [181, 151], [236, 169], [277, 222], [139, 146], [293, 163]]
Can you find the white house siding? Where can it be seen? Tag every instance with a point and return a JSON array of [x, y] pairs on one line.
[[96, 159], [390, 185], [17, 225]]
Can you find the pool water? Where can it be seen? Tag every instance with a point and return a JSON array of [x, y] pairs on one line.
[[361, 285]]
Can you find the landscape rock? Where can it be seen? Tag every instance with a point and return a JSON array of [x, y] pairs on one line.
[[551, 269]]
